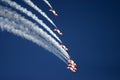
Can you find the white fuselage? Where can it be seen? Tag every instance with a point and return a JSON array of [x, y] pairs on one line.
[[58, 31], [64, 47], [54, 12]]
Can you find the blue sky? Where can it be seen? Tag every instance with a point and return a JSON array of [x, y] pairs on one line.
[[91, 32]]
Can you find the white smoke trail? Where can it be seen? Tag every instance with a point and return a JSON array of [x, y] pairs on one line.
[[10, 26], [33, 30], [47, 3], [30, 3], [33, 16]]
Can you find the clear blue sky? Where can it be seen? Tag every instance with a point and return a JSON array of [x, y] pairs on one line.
[[92, 33]]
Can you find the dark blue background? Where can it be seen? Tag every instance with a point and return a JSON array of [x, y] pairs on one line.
[[92, 33]]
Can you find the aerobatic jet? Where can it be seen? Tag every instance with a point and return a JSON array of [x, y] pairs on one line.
[[64, 47], [72, 65], [54, 12], [58, 31]]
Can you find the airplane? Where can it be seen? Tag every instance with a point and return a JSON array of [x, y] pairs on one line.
[[72, 69], [54, 12], [59, 32], [64, 47]]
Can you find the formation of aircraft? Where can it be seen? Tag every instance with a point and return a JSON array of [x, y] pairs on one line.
[[54, 12], [71, 64]]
